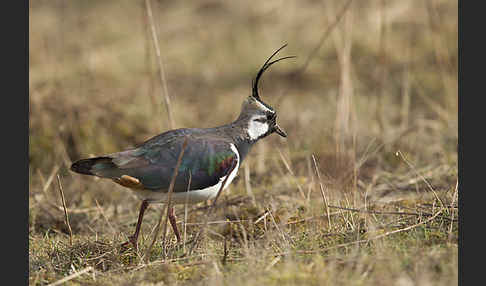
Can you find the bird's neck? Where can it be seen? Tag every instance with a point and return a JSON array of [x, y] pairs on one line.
[[238, 132]]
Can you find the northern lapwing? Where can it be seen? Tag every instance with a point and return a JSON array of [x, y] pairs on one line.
[[212, 157]]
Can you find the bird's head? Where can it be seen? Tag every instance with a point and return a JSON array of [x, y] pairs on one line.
[[260, 117]]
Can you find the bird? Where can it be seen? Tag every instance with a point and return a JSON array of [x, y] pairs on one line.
[[210, 161]]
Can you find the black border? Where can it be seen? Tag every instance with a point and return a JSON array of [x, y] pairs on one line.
[[15, 140]]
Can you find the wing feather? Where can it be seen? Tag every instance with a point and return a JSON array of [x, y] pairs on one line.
[[208, 160]]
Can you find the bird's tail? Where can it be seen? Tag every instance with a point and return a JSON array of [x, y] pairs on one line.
[[92, 166]]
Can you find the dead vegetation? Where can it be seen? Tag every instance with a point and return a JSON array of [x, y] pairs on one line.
[[362, 192]]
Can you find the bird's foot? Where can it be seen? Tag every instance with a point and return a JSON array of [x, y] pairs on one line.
[[131, 240]]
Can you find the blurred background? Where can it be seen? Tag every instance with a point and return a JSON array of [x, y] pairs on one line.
[[378, 78]]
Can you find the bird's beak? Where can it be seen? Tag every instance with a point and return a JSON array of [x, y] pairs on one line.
[[280, 131]]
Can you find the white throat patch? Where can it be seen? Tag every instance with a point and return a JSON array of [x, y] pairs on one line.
[[257, 129]]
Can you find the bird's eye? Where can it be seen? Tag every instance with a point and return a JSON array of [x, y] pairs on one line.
[[271, 116]]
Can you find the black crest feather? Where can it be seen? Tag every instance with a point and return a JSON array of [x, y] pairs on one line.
[[265, 66]]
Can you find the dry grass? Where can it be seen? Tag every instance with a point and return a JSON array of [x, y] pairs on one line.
[[362, 192]]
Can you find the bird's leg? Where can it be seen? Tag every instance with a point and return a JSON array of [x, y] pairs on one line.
[[172, 219], [134, 238]]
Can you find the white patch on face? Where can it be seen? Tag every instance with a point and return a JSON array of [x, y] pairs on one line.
[[257, 129], [263, 107]]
